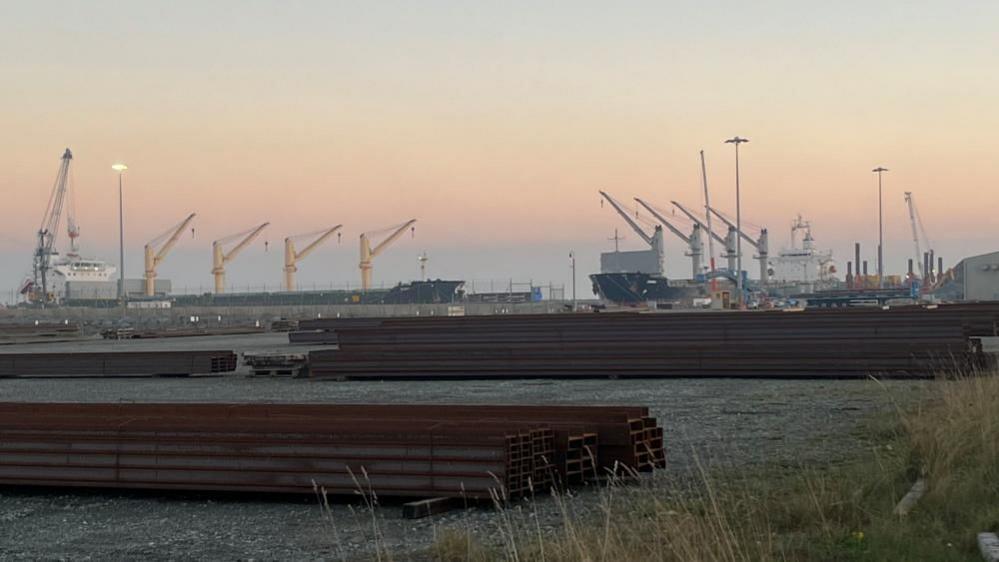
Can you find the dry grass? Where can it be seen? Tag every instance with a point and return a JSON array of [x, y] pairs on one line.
[[841, 512]]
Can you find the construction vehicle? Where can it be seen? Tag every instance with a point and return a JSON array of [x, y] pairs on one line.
[[292, 256], [694, 240], [368, 254], [157, 249], [220, 257]]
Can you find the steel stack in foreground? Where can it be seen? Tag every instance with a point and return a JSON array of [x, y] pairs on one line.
[[903, 342], [388, 450], [116, 363]]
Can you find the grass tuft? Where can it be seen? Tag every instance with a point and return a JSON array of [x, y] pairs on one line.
[[841, 512]]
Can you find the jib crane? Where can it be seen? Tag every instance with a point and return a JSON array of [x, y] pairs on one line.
[[761, 244], [220, 257], [293, 256], [157, 249], [694, 241], [655, 240], [368, 254], [48, 231], [728, 241], [925, 269]]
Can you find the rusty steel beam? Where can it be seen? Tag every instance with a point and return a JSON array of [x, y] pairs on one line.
[[390, 450]]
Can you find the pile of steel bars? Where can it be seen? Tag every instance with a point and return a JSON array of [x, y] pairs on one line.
[[116, 363], [902, 342], [387, 450], [49, 331]]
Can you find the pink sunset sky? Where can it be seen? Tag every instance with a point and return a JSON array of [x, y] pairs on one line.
[[494, 125]]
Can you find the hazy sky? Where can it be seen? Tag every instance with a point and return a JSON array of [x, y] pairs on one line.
[[493, 125]]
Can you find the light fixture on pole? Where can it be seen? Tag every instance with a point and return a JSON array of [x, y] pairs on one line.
[[122, 298], [881, 229], [738, 220]]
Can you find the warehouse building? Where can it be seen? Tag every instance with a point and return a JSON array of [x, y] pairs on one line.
[[975, 278]]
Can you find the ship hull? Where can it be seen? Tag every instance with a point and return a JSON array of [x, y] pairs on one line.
[[639, 288]]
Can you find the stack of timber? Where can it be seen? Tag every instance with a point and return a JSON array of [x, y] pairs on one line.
[[839, 343], [116, 363], [388, 450]]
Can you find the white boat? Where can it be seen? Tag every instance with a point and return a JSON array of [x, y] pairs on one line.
[[803, 264], [81, 272]]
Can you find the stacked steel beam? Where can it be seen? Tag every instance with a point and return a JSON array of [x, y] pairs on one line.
[[907, 342], [386, 450], [117, 363]]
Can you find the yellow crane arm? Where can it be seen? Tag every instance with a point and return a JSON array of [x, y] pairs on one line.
[[245, 242], [169, 244], [392, 237], [315, 244]]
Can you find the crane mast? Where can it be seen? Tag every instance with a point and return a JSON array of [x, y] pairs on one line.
[[157, 249], [49, 229], [761, 244], [627, 218], [925, 270], [655, 241], [220, 257], [694, 241], [728, 241], [368, 254], [292, 255], [707, 205]]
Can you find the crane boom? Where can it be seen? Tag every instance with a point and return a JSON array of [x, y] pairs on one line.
[[174, 233], [368, 254], [698, 221], [915, 234], [707, 203], [231, 255], [292, 256], [627, 218], [761, 244], [392, 237], [154, 257], [220, 257], [744, 236], [49, 230], [694, 242], [679, 234]]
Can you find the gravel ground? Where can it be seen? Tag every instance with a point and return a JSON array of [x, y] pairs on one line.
[[738, 423]]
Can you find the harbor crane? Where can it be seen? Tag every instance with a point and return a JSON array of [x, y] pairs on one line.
[[761, 244], [728, 241], [925, 269], [655, 240], [48, 231], [694, 240], [220, 257], [293, 256], [368, 254], [157, 249]]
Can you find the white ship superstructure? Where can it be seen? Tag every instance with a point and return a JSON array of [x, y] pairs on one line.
[[803, 263], [54, 274]]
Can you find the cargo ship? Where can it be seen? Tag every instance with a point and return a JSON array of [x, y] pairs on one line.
[[636, 288]]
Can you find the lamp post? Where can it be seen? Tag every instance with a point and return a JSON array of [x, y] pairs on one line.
[[122, 298], [738, 220], [572, 265], [881, 229]]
